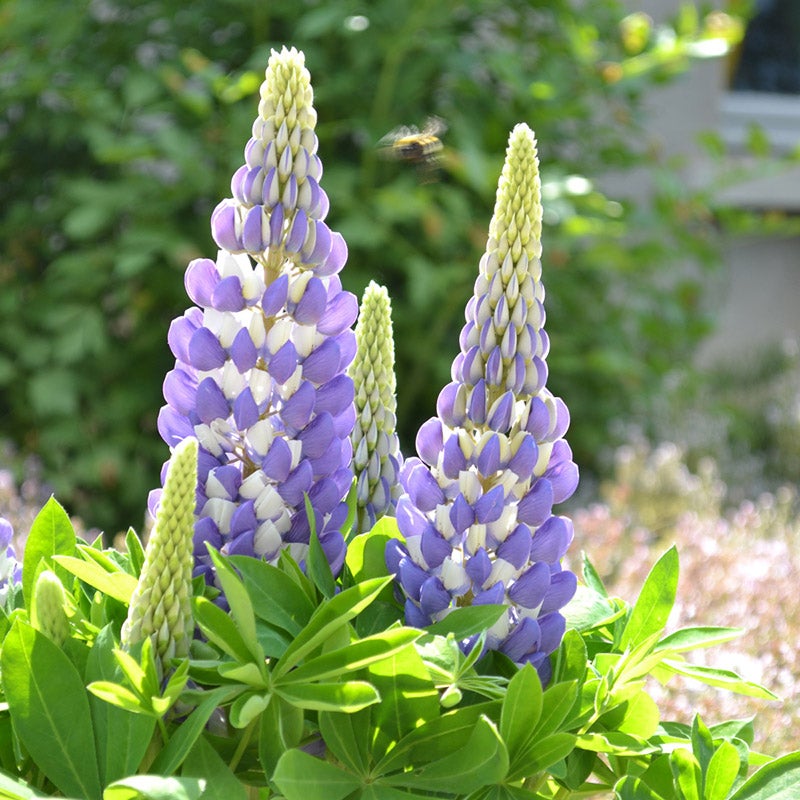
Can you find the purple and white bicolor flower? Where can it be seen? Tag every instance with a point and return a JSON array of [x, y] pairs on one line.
[[10, 567], [261, 358], [477, 509]]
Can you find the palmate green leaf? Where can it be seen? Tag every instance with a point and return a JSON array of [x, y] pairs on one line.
[[702, 743], [355, 656], [347, 737], [346, 697], [51, 534], [366, 553], [186, 734], [654, 604], [571, 658], [591, 577], [436, 738], [300, 776], [483, 760], [557, 702], [696, 638], [541, 753], [276, 597], [408, 698], [133, 545], [614, 743], [589, 609], [714, 676], [281, 730], [522, 708], [241, 608], [119, 584], [118, 696], [155, 787], [50, 710], [204, 762], [331, 615], [777, 780]]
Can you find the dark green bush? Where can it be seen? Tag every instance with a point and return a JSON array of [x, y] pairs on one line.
[[121, 123]]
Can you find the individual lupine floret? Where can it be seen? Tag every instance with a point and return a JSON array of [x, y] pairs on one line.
[[376, 449], [48, 612], [10, 568], [161, 604], [260, 366], [477, 509]]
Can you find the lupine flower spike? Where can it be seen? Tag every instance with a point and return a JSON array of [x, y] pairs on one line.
[[160, 607], [477, 508], [376, 449], [260, 365]]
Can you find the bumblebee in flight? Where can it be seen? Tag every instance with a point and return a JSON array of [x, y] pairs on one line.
[[419, 147]]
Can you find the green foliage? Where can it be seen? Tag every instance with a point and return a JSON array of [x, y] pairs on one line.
[[121, 127]]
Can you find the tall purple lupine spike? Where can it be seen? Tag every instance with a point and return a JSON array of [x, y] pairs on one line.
[[260, 372], [476, 511]]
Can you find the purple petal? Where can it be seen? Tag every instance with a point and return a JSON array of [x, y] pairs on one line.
[[563, 586], [340, 313], [453, 461], [393, 555], [323, 363], [479, 567], [324, 496], [562, 419], [517, 547], [462, 515], [277, 463], [244, 519], [242, 545], [283, 363], [200, 280], [206, 530], [412, 576], [181, 331], [415, 617], [179, 390], [423, 489], [435, 548], [564, 478], [489, 506], [494, 595], [429, 441], [552, 539], [312, 304], [336, 258], [524, 460], [297, 410], [523, 639], [205, 351], [227, 295], [223, 227], [489, 457], [211, 402], [553, 627], [317, 436], [537, 505], [410, 520], [500, 414], [333, 458], [530, 588], [173, 427], [224, 480], [297, 232], [451, 405], [476, 405], [334, 548], [433, 597], [538, 419], [296, 484], [276, 219], [275, 295], [335, 396], [245, 410], [243, 352]]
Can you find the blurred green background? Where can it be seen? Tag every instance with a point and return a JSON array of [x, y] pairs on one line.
[[121, 124]]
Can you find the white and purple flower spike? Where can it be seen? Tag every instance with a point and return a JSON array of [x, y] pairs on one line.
[[376, 448], [477, 505], [260, 360]]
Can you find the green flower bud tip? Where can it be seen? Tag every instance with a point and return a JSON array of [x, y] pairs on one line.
[[48, 613], [376, 450], [160, 607]]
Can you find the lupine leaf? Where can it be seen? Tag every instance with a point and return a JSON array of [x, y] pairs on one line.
[[133, 544], [300, 776], [355, 656], [631, 788], [483, 760], [522, 708], [121, 737], [204, 762], [697, 638], [721, 772], [241, 608], [318, 568], [469, 620], [615, 743], [220, 629], [50, 710], [329, 616], [281, 730], [346, 697], [778, 780], [557, 701], [687, 774], [347, 737], [51, 534], [538, 754], [713, 676], [655, 601], [591, 576], [119, 584], [276, 597]]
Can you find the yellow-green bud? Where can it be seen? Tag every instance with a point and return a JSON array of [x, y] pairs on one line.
[[161, 603], [48, 614]]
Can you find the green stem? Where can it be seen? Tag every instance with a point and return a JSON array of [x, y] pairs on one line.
[[242, 746]]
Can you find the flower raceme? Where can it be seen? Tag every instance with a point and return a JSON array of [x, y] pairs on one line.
[[376, 449], [476, 512], [260, 373]]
